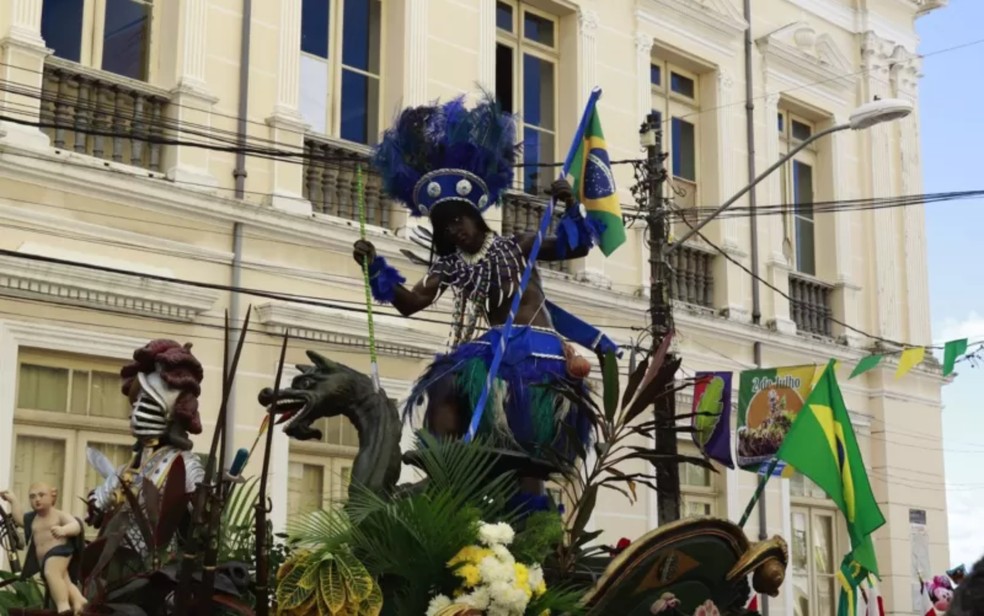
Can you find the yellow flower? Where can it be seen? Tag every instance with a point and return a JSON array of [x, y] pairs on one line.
[[469, 575], [540, 589], [470, 554]]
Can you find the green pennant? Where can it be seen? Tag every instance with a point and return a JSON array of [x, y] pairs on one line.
[[865, 365], [953, 350]]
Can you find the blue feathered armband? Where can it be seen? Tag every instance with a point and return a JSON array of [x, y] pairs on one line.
[[576, 231], [383, 280]]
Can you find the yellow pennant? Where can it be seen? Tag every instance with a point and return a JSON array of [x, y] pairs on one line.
[[909, 360]]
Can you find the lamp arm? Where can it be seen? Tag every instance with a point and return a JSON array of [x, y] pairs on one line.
[[779, 163]]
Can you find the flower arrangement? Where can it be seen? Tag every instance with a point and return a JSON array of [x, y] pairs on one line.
[[492, 581]]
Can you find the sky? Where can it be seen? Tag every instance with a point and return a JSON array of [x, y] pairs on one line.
[[952, 127]]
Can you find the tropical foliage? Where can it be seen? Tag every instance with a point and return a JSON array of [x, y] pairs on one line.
[[20, 594], [409, 544]]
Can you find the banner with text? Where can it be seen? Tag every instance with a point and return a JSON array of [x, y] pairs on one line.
[[768, 401]]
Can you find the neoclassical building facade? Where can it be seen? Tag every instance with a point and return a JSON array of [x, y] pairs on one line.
[[163, 162]]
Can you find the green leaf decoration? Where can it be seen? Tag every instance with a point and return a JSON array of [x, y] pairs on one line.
[[332, 586], [312, 572], [357, 580], [610, 380], [866, 364], [290, 593], [373, 604]]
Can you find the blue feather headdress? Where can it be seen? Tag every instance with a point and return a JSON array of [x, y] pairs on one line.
[[439, 153]]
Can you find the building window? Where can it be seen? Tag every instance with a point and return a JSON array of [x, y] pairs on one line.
[[798, 192], [675, 96], [526, 84], [816, 549], [113, 35], [697, 491], [340, 68], [66, 403]]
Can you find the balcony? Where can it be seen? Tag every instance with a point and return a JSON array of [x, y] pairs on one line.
[[522, 212], [810, 305], [102, 115], [331, 184], [692, 275]]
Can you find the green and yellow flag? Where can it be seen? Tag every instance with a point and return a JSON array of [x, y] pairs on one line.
[[821, 445], [594, 184]]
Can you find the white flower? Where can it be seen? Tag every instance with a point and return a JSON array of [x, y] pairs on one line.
[[493, 570], [502, 553], [437, 604], [480, 598], [496, 534], [536, 576]]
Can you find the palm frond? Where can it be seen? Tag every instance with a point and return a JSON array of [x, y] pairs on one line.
[[238, 522]]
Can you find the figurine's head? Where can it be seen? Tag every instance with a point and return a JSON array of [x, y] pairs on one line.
[[458, 226], [42, 497], [447, 161], [163, 383]]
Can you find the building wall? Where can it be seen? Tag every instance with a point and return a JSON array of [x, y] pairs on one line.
[[170, 210]]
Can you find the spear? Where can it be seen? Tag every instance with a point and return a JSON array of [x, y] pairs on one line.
[[262, 561], [208, 491]]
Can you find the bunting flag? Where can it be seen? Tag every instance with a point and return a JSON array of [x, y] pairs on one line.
[[712, 415], [866, 364], [910, 359], [953, 350]]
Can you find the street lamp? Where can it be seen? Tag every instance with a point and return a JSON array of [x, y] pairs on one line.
[[865, 116]]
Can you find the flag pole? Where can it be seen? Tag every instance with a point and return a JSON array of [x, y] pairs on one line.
[[528, 272], [758, 491]]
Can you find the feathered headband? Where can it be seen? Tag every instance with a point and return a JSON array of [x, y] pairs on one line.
[[439, 153]]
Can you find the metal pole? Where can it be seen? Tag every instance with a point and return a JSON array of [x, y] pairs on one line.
[[667, 469]]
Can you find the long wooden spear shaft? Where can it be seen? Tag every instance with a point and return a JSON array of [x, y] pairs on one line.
[[262, 555], [208, 485]]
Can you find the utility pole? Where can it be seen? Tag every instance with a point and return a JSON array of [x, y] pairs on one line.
[[660, 310]]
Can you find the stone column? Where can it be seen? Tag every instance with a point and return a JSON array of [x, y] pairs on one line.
[[883, 229], [593, 266], [415, 83], [905, 78], [486, 42], [286, 125], [23, 51], [845, 298], [771, 231], [191, 101], [730, 281]]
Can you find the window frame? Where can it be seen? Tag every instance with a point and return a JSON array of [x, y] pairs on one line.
[[336, 70], [704, 494], [792, 220], [521, 46], [76, 431], [334, 480], [93, 28], [672, 105], [814, 502]]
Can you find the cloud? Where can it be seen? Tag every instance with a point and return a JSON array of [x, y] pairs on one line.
[[966, 530], [970, 327]]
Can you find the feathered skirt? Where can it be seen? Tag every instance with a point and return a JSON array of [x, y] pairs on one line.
[[527, 406]]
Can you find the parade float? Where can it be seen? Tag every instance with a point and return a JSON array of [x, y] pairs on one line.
[[180, 533]]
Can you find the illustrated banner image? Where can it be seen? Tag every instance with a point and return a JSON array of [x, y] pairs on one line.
[[712, 415], [768, 401]]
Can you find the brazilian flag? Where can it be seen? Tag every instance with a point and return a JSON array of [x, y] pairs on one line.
[[821, 445], [594, 184]]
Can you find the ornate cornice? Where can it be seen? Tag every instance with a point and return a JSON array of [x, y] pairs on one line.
[[81, 286], [395, 336], [714, 23], [798, 53]]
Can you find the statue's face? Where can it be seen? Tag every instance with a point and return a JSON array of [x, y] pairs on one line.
[[42, 497], [153, 401]]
